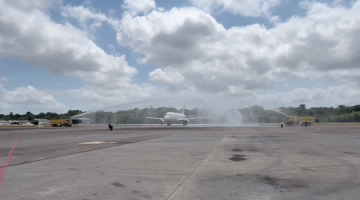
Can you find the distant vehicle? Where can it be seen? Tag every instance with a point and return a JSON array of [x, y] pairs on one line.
[[303, 120], [171, 117], [61, 123]]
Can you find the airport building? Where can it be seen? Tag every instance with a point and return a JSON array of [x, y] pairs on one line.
[[4, 123], [19, 122], [41, 122]]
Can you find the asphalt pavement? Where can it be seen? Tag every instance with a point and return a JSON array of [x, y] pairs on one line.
[[160, 162]]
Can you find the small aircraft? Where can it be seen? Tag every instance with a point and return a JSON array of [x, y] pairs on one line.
[[171, 117]]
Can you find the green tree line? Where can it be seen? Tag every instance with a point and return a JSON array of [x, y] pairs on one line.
[[29, 116], [254, 114]]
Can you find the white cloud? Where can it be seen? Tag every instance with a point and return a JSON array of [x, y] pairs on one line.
[[168, 75], [4, 79], [251, 8], [34, 4], [29, 35], [314, 97], [84, 15], [104, 98], [194, 53], [139, 6], [28, 98], [253, 57], [175, 36]]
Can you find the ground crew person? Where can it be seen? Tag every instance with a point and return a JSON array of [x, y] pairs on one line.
[[111, 125], [282, 124]]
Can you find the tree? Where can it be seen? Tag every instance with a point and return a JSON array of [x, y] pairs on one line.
[[357, 108], [302, 106]]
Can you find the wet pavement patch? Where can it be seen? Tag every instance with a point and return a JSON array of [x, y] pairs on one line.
[[283, 183], [253, 150], [279, 184], [146, 196], [237, 158], [74, 169], [310, 169], [117, 184], [237, 150]]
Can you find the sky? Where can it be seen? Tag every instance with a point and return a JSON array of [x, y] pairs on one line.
[[57, 55]]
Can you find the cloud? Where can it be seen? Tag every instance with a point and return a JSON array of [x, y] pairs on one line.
[[28, 34], [325, 39], [190, 42], [168, 75], [27, 99], [104, 98], [135, 7], [180, 35], [34, 4], [84, 15], [250, 8], [4, 79], [193, 53], [315, 97]]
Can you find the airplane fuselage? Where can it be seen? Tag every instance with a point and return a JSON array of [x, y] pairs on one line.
[[173, 117]]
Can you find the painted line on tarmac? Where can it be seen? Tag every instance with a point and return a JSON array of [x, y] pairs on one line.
[[340, 150], [6, 163], [328, 147], [98, 142]]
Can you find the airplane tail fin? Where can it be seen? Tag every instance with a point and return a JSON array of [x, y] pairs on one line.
[[183, 111]]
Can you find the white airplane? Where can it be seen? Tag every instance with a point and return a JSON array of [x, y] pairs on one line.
[[171, 117]]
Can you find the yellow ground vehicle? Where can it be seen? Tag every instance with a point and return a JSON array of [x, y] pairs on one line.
[[303, 120], [61, 123]]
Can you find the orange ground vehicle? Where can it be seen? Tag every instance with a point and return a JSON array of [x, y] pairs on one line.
[[302, 120], [61, 123]]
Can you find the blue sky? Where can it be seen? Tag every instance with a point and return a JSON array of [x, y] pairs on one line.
[[151, 76]]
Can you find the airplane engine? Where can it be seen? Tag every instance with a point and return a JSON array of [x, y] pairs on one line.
[[185, 122], [161, 122]]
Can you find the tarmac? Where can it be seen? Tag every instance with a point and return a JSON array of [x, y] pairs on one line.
[[192, 162]]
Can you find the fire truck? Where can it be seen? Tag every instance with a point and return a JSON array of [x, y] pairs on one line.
[[302, 120], [61, 123]]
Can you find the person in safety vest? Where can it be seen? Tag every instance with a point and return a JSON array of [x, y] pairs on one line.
[[110, 126], [282, 124]]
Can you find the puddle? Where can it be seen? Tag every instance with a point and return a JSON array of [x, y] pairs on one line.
[[74, 169], [283, 183], [237, 158], [237, 150], [117, 184]]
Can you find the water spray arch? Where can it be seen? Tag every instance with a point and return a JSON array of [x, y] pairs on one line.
[[221, 110]]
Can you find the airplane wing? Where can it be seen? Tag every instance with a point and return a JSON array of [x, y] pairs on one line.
[[198, 118], [153, 118], [181, 119]]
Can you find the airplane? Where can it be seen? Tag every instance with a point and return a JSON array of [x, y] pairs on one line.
[[171, 117]]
